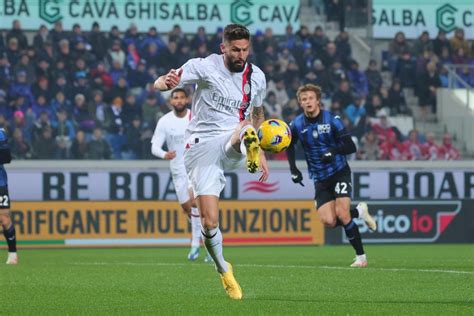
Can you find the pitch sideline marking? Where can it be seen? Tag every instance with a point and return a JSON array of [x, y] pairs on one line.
[[274, 266]]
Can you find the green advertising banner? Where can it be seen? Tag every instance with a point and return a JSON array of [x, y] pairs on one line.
[[415, 16], [189, 14]]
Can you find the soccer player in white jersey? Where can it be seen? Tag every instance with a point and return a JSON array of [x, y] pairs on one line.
[[227, 108], [170, 129]]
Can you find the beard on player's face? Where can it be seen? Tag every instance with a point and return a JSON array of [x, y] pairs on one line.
[[179, 108], [236, 65]]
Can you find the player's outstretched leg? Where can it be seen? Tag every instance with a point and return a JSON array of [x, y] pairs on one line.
[[195, 234], [10, 237]]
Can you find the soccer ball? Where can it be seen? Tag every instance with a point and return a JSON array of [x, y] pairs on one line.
[[274, 136]]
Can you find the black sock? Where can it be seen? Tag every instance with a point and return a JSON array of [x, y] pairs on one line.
[[352, 233], [10, 237], [354, 214]]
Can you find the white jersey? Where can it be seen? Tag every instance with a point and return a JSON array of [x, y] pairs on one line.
[[171, 129], [222, 98]]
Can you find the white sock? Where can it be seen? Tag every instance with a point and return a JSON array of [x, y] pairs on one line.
[[195, 228], [213, 242]]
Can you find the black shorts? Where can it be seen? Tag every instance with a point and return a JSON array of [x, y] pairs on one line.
[[336, 186], [4, 198]]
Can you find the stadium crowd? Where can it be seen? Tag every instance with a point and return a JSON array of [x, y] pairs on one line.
[[78, 95]]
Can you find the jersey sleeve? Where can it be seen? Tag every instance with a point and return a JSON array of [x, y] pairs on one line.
[[158, 140], [194, 70], [294, 133], [338, 126]]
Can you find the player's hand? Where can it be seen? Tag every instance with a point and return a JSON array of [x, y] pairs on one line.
[[297, 177], [327, 157], [170, 155], [172, 78], [264, 167]]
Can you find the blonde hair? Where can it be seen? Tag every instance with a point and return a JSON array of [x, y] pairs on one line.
[[309, 87]]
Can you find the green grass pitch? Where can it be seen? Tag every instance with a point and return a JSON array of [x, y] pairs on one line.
[[414, 279]]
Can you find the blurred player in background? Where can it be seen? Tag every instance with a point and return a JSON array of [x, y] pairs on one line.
[[228, 91], [5, 219], [170, 129], [326, 143]]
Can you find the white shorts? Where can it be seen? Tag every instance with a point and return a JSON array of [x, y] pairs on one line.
[[206, 162], [181, 186]]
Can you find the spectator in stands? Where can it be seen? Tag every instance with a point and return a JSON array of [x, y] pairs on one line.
[[41, 38], [273, 108], [98, 148], [60, 102], [447, 150], [391, 148], [427, 96], [369, 147], [17, 33], [26, 66], [413, 147], [65, 55], [374, 77], [331, 55], [42, 88], [177, 36], [337, 75], [319, 40], [131, 109], [42, 106], [120, 89], [199, 38], [381, 126], [458, 41], [79, 146], [357, 79], [289, 39], [216, 40], [63, 134], [269, 39], [114, 125], [20, 147], [134, 139], [355, 110], [58, 33], [81, 115], [406, 70], [5, 124], [460, 57], [43, 69], [431, 150], [151, 110], [303, 35], [398, 48], [116, 55], [2, 43], [283, 59], [445, 57], [319, 76], [423, 43], [343, 95], [152, 37], [343, 47], [98, 42], [21, 88], [5, 71], [44, 145], [101, 78], [151, 55], [278, 86], [133, 58], [13, 52], [396, 100], [132, 36], [169, 56], [113, 37], [441, 43]]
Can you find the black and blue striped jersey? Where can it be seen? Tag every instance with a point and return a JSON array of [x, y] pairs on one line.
[[318, 136]]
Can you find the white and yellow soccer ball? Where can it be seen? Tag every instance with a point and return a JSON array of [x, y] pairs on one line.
[[274, 136]]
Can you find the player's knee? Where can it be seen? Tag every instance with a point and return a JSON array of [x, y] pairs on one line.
[[210, 222], [328, 221]]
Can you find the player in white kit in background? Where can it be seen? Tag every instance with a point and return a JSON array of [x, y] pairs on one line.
[[227, 109], [171, 129]]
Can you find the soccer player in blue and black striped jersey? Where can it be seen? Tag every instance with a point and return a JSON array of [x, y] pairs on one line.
[[5, 220], [326, 142]]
